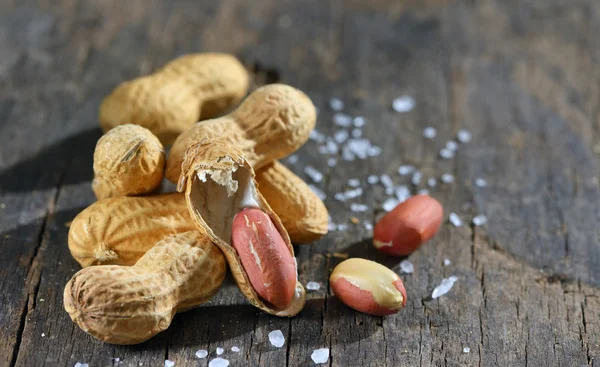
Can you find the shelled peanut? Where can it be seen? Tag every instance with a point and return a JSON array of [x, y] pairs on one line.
[[189, 88], [130, 304]]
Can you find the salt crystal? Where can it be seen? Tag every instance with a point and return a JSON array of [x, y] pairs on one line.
[[368, 226], [480, 182], [323, 150], [336, 104], [218, 362], [340, 197], [356, 207], [43, 335], [341, 136], [169, 363], [386, 181], [373, 179], [463, 136], [390, 204], [429, 133], [331, 162], [359, 147], [407, 267], [331, 226], [78, 364], [444, 287], [235, 349], [446, 153], [447, 178], [357, 133], [416, 178], [402, 193], [347, 154], [332, 147], [455, 219], [320, 355], [452, 146], [318, 192], [359, 121], [276, 338], [201, 353], [403, 103], [313, 173], [354, 182], [351, 194], [466, 350], [480, 220], [293, 159], [220, 351], [313, 286], [405, 170], [423, 192], [342, 227], [317, 136], [447, 262], [341, 119], [431, 182], [373, 151]]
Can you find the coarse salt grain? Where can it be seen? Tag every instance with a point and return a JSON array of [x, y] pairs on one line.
[[313, 286], [416, 178], [455, 219], [331, 162], [480, 182], [407, 267], [447, 178], [357, 208], [373, 151], [431, 182], [342, 227], [429, 133], [463, 136], [220, 351], [466, 350], [354, 182], [444, 287], [341, 119], [347, 154], [336, 104], [368, 226], [480, 220], [403, 103], [447, 262], [357, 133], [43, 335], [235, 349], [373, 179], [313, 173], [317, 136], [218, 362], [201, 353], [320, 355], [452, 145], [341, 136], [390, 204], [359, 121], [405, 170], [79, 364], [293, 159], [318, 192], [276, 338], [423, 192], [169, 363], [387, 182], [402, 193], [446, 153]]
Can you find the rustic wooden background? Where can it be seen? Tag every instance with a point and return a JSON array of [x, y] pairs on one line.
[[522, 76]]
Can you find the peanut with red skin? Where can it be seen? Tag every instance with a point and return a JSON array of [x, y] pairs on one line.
[[408, 226], [265, 257]]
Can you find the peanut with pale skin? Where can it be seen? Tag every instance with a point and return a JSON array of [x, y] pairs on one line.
[[168, 102], [368, 287], [120, 230], [219, 186], [131, 304], [410, 224], [128, 160]]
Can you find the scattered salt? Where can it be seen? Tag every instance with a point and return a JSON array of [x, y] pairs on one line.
[[313, 173], [423, 192], [235, 349], [341, 119], [320, 355], [359, 121], [356, 207], [331, 226], [466, 350], [444, 287], [357, 133], [336, 104], [349, 194], [373, 151], [452, 145], [342, 227], [201, 353], [447, 178], [354, 182], [78, 364], [480, 220], [368, 226], [316, 136], [446, 153], [447, 262], [463, 136], [455, 219], [402, 193], [390, 204], [293, 159], [362, 148], [220, 351], [431, 182], [313, 286], [407, 267], [387, 182], [403, 103], [416, 178], [480, 182], [347, 154], [331, 162], [276, 338], [323, 150], [169, 363], [429, 132], [405, 170], [43, 335], [318, 192], [373, 179], [218, 362], [341, 136]]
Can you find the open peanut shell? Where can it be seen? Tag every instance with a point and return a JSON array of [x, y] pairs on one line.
[[218, 183]]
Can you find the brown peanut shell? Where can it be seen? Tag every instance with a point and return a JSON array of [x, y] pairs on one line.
[[131, 304], [215, 178]]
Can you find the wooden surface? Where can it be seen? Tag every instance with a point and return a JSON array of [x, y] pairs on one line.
[[522, 76]]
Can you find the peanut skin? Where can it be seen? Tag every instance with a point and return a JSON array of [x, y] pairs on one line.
[[189, 88], [130, 304], [409, 225], [265, 257], [128, 160], [368, 287]]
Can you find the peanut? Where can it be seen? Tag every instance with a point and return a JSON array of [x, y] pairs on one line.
[[301, 211], [368, 287], [128, 160], [219, 183], [264, 256], [408, 225], [130, 304], [120, 230], [189, 88]]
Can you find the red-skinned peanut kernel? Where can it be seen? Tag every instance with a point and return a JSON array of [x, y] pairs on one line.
[[265, 256], [408, 225], [368, 287]]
